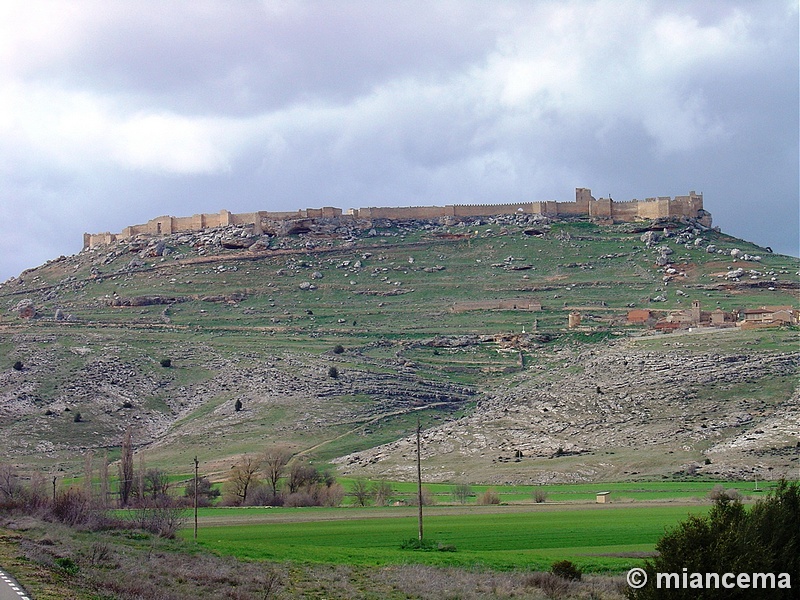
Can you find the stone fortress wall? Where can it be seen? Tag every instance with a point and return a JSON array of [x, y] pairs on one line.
[[603, 210]]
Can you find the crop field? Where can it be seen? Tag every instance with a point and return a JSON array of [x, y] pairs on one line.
[[602, 539]]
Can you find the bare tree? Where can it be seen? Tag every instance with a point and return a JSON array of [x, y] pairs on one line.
[[104, 481], [428, 498], [461, 492], [302, 475], [87, 473], [163, 517], [382, 491], [140, 492], [156, 484], [275, 460], [10, 486], [360, 491], [126, 469], [488, 497], [244, 476], [37, 489], [206, 492]]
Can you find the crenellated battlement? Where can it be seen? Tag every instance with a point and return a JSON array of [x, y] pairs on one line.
[[602, 209]]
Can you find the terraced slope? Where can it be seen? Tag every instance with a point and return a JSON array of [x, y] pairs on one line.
[[406, 315]]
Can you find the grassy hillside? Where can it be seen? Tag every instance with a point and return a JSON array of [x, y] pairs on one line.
[[385, 309]]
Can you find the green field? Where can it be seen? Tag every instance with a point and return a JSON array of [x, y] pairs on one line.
[[631, 491], [597, 538]]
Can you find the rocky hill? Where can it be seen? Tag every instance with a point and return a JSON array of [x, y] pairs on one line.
[[335, 340]]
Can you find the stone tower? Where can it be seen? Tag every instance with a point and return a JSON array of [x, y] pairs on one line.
[[695, 312]]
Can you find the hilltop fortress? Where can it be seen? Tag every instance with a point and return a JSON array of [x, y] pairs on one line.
[[603, 210]]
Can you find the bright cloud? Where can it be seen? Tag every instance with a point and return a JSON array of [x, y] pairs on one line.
[[281, 105]]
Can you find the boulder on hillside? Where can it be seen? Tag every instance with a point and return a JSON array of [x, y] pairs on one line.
[[260, 245], [237, 243], [154, 250], [650, 238], [662, 260], [734, 274], [25, 309]]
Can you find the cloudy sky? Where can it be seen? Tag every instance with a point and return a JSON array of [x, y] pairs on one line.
[[112, 113]]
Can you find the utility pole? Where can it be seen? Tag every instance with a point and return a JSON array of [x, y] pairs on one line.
[[419, 479], [196, 467]]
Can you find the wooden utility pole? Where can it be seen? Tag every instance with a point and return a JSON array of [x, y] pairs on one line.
[[196, 469], [419, 480]]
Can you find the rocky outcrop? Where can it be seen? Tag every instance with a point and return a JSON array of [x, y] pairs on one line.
[[25, 309], [604, 401]]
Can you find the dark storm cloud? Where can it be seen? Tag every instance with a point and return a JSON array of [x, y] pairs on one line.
[[113, 113]]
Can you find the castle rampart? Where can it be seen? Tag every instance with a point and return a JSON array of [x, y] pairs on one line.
[[603, 209]]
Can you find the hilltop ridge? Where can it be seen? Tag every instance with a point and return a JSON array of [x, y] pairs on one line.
[[604, 210]]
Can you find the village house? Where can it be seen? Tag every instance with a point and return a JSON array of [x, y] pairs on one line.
[[696, 317], [769, 316], [639, 316]]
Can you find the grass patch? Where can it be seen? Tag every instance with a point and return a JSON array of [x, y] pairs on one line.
[[597, 540]]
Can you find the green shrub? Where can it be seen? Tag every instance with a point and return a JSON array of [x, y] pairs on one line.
[[338, 349], [333, 373], [17, 366], [67, 565], [426, 545], [166, 363], [417, 544], [731, 539]]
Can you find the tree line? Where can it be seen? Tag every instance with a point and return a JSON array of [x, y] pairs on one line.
[[278, 478]]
